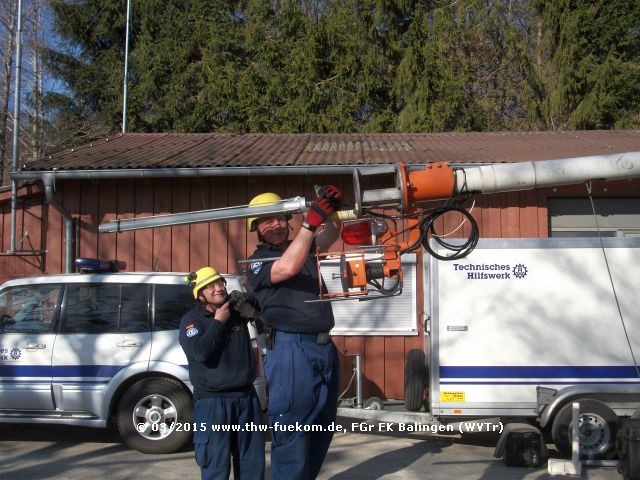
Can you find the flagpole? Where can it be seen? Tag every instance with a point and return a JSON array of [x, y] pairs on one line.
[[126, 70]]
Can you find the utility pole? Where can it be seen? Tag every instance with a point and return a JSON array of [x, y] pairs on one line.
[[16, 128]]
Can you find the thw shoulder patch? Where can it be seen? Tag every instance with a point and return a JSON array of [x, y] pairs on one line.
[[255, 267], [192, 332]]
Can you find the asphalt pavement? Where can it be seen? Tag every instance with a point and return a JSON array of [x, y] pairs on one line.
[[33, 452]]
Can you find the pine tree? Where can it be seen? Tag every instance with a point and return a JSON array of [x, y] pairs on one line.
[[467, 66], [350, 65], [92, 65], [592, 72]]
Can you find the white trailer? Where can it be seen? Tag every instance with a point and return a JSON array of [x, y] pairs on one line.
[[525, 327]]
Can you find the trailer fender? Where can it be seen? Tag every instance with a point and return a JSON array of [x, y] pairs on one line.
[[616, 392], [521, 445]]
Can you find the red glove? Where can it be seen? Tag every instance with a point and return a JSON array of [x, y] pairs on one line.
[[318, 211], [331, 193]]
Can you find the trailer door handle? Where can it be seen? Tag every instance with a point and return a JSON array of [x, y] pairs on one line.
[[457, 328], [130, 344]]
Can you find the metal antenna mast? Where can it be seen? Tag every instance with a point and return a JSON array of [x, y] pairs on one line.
[[126, 70]]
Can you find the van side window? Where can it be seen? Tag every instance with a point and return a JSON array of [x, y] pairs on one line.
[[134, 311], [30, 309], [92, 308], [171, 303], [107, 308]]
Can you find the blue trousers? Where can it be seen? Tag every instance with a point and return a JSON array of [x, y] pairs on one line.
[[303, 379], [224, 432]]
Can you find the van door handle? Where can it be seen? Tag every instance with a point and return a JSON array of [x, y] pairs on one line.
[[130, 343], [36, 345]]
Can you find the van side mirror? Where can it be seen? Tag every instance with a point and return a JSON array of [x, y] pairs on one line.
[[6, 320]]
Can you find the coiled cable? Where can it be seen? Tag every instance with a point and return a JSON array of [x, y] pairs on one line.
[[427, 230], [460, 251]]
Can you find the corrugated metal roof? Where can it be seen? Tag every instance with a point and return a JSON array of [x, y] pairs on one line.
[[176, 150]]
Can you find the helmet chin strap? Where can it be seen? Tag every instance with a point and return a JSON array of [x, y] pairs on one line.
[[203, 301]]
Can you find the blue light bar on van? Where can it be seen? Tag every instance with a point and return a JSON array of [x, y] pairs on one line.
[[92, 265]]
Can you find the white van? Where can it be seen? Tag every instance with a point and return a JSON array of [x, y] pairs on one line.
[[87, 348]]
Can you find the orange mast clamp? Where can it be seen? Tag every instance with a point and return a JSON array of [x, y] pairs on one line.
[[435, 182]]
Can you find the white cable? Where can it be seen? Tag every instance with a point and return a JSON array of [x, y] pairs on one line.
[[464, 220]]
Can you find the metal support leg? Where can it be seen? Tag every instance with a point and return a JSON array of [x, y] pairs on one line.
[[358, 371], [573, 467]]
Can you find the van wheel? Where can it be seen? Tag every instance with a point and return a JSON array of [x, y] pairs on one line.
[[598, 429], [415, 376], [151, 414]]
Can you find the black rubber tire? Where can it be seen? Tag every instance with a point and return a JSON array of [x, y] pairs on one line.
[[163, 395], [415, 380], [629, 448], [373, 403], [632, 464], [601, 437]]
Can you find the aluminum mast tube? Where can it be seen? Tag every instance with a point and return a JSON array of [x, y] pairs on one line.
[[292, 205], [509, 177]]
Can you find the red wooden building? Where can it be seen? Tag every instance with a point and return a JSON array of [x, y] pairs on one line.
[[63, 198]]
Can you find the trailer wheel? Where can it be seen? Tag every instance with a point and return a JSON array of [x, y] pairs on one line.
[[598, 429], [373, 403], [415, 380]]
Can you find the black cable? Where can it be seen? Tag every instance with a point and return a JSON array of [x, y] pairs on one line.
[[395, 217], [397, 285], [455, 202], [427, 228], [458, 200], [386, 291]]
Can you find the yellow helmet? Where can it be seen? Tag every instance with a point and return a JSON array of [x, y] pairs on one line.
[[200, 278], [263, 200]]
